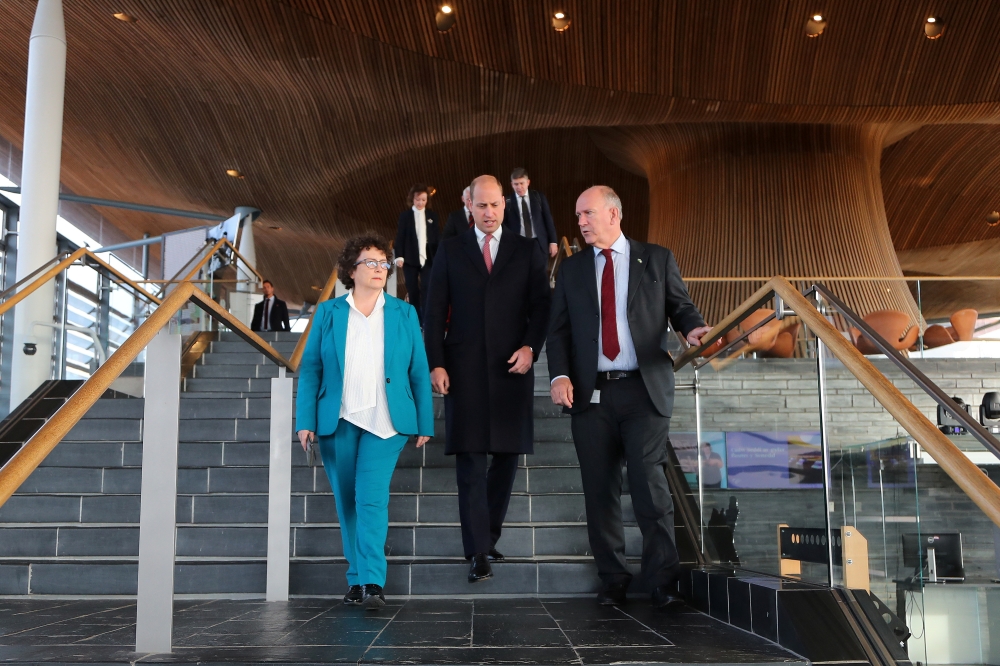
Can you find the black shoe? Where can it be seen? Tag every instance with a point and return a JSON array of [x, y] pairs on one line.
[[480, 569], [373, 598], [665, 597], [612, 594], [354, 596], [496, 555]]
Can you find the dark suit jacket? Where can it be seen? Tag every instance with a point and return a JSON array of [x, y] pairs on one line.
[[406, 238], [278, 316], [542, 226], [492, 316], [656, 294], [456, 224]]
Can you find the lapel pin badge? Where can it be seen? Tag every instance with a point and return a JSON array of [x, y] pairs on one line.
[[640, 261]]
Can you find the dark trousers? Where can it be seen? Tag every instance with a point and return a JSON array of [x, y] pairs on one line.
[[483, 496], [625, 426], [417, 280]]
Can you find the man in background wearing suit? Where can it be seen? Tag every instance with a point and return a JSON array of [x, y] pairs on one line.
[[611, 370], [528, 213], [461, 219], [271, 314], [494, 284], [417, 237]]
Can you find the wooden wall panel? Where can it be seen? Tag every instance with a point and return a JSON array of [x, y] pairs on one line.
[[745, 200]]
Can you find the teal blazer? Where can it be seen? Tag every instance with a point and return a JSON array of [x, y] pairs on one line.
[[321, 374]]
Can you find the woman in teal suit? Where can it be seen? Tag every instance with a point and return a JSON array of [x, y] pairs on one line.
[[364, 388]]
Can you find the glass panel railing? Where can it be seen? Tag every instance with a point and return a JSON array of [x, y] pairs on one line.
[[751, 449], [932, 554]]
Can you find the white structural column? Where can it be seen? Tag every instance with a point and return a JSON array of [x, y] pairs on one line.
[[43, 120], [158, 503], [279, 503], [247, 247]]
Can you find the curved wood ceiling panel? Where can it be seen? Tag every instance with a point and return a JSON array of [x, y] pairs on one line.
[[331, 108], [940, 184]]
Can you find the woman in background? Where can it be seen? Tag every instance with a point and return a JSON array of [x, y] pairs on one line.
[[417, 237], [364, 388]]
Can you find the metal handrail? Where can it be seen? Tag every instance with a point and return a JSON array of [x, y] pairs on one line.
[[913, 372], [976, 485], [34, 451]]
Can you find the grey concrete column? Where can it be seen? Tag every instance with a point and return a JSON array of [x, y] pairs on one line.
[[43, 121], [247, 246], [158, 508], [279, 504]]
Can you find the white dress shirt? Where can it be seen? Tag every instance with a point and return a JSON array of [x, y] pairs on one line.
[[265, 313], [420, 221], [364, 402], [626, 360], [494, 244]]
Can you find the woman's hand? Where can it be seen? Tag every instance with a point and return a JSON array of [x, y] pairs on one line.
[[306, 436], [421, 440]]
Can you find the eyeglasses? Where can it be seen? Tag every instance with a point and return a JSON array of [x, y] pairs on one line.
[[373, 264]]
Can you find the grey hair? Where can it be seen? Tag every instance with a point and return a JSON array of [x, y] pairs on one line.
[[612, 199], [467, 191]]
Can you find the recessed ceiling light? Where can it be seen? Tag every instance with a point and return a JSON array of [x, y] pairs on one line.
[[233, 173], [815, 25], [933, 27], [560, 22], [445, 18], [128, 18], [275, 228]]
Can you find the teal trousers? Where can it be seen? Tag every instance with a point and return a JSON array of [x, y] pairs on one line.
[[359, 466]]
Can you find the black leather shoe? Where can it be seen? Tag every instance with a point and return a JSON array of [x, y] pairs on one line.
[[496, 555], [480, 569], [373, 598], [354, 596], [613, 594], [665, 597]]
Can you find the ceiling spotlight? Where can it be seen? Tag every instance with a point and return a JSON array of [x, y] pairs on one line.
[[993, 219], [560, 21], [431, 191], [445, 18], [933, 27], [128, 18], [275, 228], [815, 25], [233, 173]]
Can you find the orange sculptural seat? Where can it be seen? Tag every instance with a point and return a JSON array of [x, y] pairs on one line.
[[893, 325], [963, 325]]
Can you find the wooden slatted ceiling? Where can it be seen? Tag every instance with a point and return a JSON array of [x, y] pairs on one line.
[[310, 97], [940, 184]]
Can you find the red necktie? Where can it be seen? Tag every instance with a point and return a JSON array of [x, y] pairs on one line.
[[609, 323], [488, 257], [471, 221]]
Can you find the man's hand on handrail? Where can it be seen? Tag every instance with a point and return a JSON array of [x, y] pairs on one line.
[[694, 337]]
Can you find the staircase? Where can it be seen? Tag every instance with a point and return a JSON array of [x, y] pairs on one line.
[[72, 528]]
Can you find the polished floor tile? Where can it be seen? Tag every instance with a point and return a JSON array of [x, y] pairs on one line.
[[524, 631]]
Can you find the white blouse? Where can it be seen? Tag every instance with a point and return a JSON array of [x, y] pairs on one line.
[[420, 222], [364, 401]]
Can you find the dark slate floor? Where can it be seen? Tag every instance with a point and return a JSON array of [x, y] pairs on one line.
[[415, 631]]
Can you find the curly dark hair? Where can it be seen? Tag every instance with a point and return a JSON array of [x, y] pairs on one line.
[[353, 249]]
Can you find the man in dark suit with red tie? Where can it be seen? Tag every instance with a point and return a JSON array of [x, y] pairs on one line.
[[494, 284], [271, 314], [611, 371], [459, 221], [528, 213]]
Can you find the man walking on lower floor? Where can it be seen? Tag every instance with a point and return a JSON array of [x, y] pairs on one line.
[[493, 282], [610, 312]]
